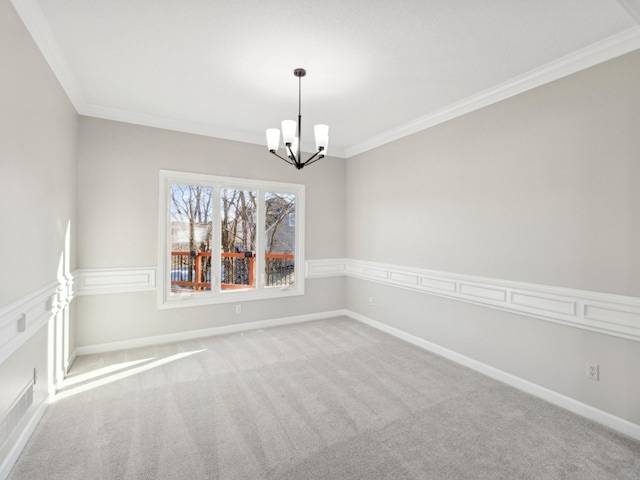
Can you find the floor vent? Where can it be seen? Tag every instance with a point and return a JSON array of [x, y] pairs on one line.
[[252, 332], [16, 411]]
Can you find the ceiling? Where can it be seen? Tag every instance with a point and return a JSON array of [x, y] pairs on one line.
[[376, 70]]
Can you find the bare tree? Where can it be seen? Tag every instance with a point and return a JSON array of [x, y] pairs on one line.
[[279, 207], [192, 204], [238, 215], [192, 213], [191, 207]]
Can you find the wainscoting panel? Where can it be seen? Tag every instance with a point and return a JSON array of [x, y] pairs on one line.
[[115, 280], [325, 268], [483, 292], [23, 318], [436, 285], [542, 302], [599, 312]]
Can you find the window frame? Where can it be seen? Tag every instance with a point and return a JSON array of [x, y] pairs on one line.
[[168, 300]]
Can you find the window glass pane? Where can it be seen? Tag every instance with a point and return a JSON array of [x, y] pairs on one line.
[[191, 229], [238, 212], [280, 239], [211, 229]]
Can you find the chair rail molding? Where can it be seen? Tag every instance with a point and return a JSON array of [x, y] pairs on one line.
[[21, 319], [609, 314], [331, 267], [94, 281]]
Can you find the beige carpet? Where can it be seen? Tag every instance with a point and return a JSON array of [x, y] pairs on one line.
[[331, 399]]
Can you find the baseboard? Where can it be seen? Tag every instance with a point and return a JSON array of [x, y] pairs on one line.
[[206, 332], [555, 398], [72, 358], [609, 314], [587, 411], [16, 449]]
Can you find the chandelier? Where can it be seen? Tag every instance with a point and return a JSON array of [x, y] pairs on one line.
[[291, 135]]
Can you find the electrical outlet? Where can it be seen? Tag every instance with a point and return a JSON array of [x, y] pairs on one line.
[[238, 308], [371, 301], [593, 371]]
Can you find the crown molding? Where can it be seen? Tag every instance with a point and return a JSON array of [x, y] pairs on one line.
[[602, 51], [37, 26], [616, 45], [595, 54], [156, 121]]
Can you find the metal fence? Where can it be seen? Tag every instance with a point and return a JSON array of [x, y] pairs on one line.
[[279, 270], [192, 270]]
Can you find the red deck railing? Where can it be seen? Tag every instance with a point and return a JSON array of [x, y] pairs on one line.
[[193, 267]]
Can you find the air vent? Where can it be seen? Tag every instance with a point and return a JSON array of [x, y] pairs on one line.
[[252, 332], [16, 411]]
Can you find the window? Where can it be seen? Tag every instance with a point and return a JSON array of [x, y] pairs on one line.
[[226, 239]]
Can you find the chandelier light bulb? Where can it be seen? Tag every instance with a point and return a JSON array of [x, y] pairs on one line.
[[273, 139], [288, 131], [322, 136]]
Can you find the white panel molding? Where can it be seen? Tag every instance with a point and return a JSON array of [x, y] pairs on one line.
[[615, 315], [599, 52], [205, 332], [436, 284], [115, 280], [482, 292], [325, 268], [582, 409], [96, 281], [23, 318]]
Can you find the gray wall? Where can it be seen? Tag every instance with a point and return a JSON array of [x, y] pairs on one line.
[[38, 137], [118, 216], [539, 188], [38, 132]]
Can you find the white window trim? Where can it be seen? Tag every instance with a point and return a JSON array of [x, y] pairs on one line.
[[261, 292]]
